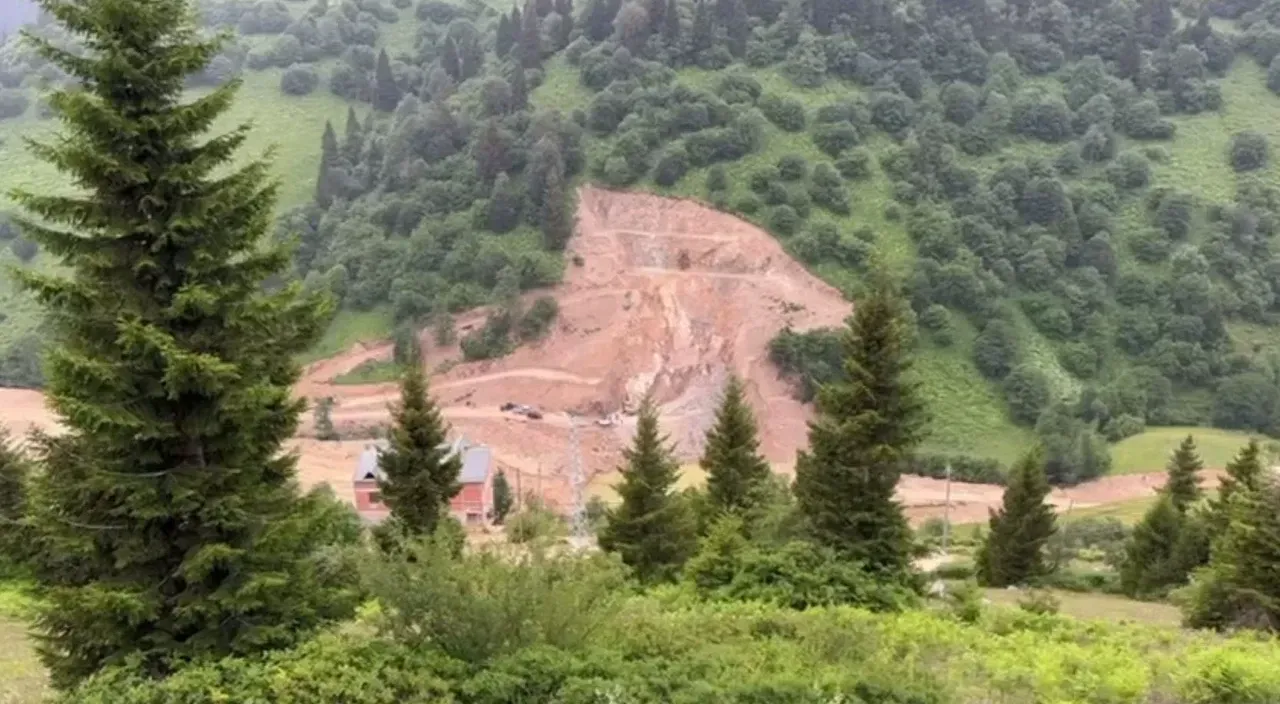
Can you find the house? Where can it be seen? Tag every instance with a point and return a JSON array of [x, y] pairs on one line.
[[470, 506]]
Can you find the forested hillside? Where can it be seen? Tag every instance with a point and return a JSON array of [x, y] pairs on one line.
[[1080, 195]]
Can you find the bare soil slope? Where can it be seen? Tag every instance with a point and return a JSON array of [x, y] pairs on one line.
[[670, 297]]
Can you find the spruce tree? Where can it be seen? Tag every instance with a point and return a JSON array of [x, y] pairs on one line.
[[168, 517], [1183, 483], [738, 27], [502, 499], [353, 138], [652, 529], [1014, 550], [15, 539], [1240, 588], [736, 472], [491, 152], [530, 40], [671, 24], [506, 37], [386, 94], [865, 433], [419, 469], [327, 181], [557, 224], [1148, 568], [1243, 473], [519, 89], [322, 416], [449, 60], [702, 35]]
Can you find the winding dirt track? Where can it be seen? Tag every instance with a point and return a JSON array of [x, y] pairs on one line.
[[670, 298]]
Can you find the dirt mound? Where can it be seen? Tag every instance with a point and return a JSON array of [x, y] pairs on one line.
[[669, 298]]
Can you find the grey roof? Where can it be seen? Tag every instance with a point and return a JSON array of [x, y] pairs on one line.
[[476, 461]]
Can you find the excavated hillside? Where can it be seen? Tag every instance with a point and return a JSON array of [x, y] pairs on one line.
[[669, 298]]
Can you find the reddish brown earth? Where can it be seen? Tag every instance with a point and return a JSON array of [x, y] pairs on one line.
[[670, 298]]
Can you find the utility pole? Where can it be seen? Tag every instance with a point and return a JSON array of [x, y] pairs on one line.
[[946, 514]]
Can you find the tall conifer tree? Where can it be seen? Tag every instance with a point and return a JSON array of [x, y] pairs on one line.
[[353, 138], [1148, 568], [167, 513], [1240, 588], [502, 499], [326, 180], [15, 539], [450, 61], [1183, 483], [866, 431], [419, 470], [557, 223], [519, 89], [506, 37], [652, 529], [386, 94], [736, 472], [1014, 550], [671, 24], [530, 41]]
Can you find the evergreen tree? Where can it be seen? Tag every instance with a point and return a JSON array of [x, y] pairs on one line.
[[652, 529], [703, 33], [449, 60], [419, 468], [406, 348], [1240, 588], [353, 140], [530, 42], [327, 182], [519, 89], [386, 94], [738, 27], [545, 160], [1129, 61], [440, 85], [671, 24], [866, 431], [506, 37], [557, 225], [322, 416], [168, 521], [1244, 472], [657, 12], [15, 539], [504, 205], [501, 497], [735, 470], [1183, 483], [1014, 550], [1148, 568], [491, 152], [567, 22], [599, 19]]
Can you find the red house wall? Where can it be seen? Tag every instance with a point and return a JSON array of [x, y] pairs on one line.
[[472, 499]]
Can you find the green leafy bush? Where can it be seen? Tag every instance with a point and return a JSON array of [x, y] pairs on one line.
[[490, 603]]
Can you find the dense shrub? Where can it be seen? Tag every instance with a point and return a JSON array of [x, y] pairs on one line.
[[793, 167], [796, 575], [784, 220], [299, 80], [786, 113], [1027, 390], [835, 137], [672, 167], [854, 164], [964, 468], [809, 359], [1248, 151], [537, 320], [995, 350], [491, 603]]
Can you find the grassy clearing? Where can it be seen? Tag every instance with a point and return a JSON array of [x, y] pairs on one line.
[[22, 678], [1100, 607], [601, 485], [371, 372], [347, 328], [1127, 512], [1150, 450]]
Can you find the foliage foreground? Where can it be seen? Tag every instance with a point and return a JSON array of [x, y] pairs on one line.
[[573, 635]]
